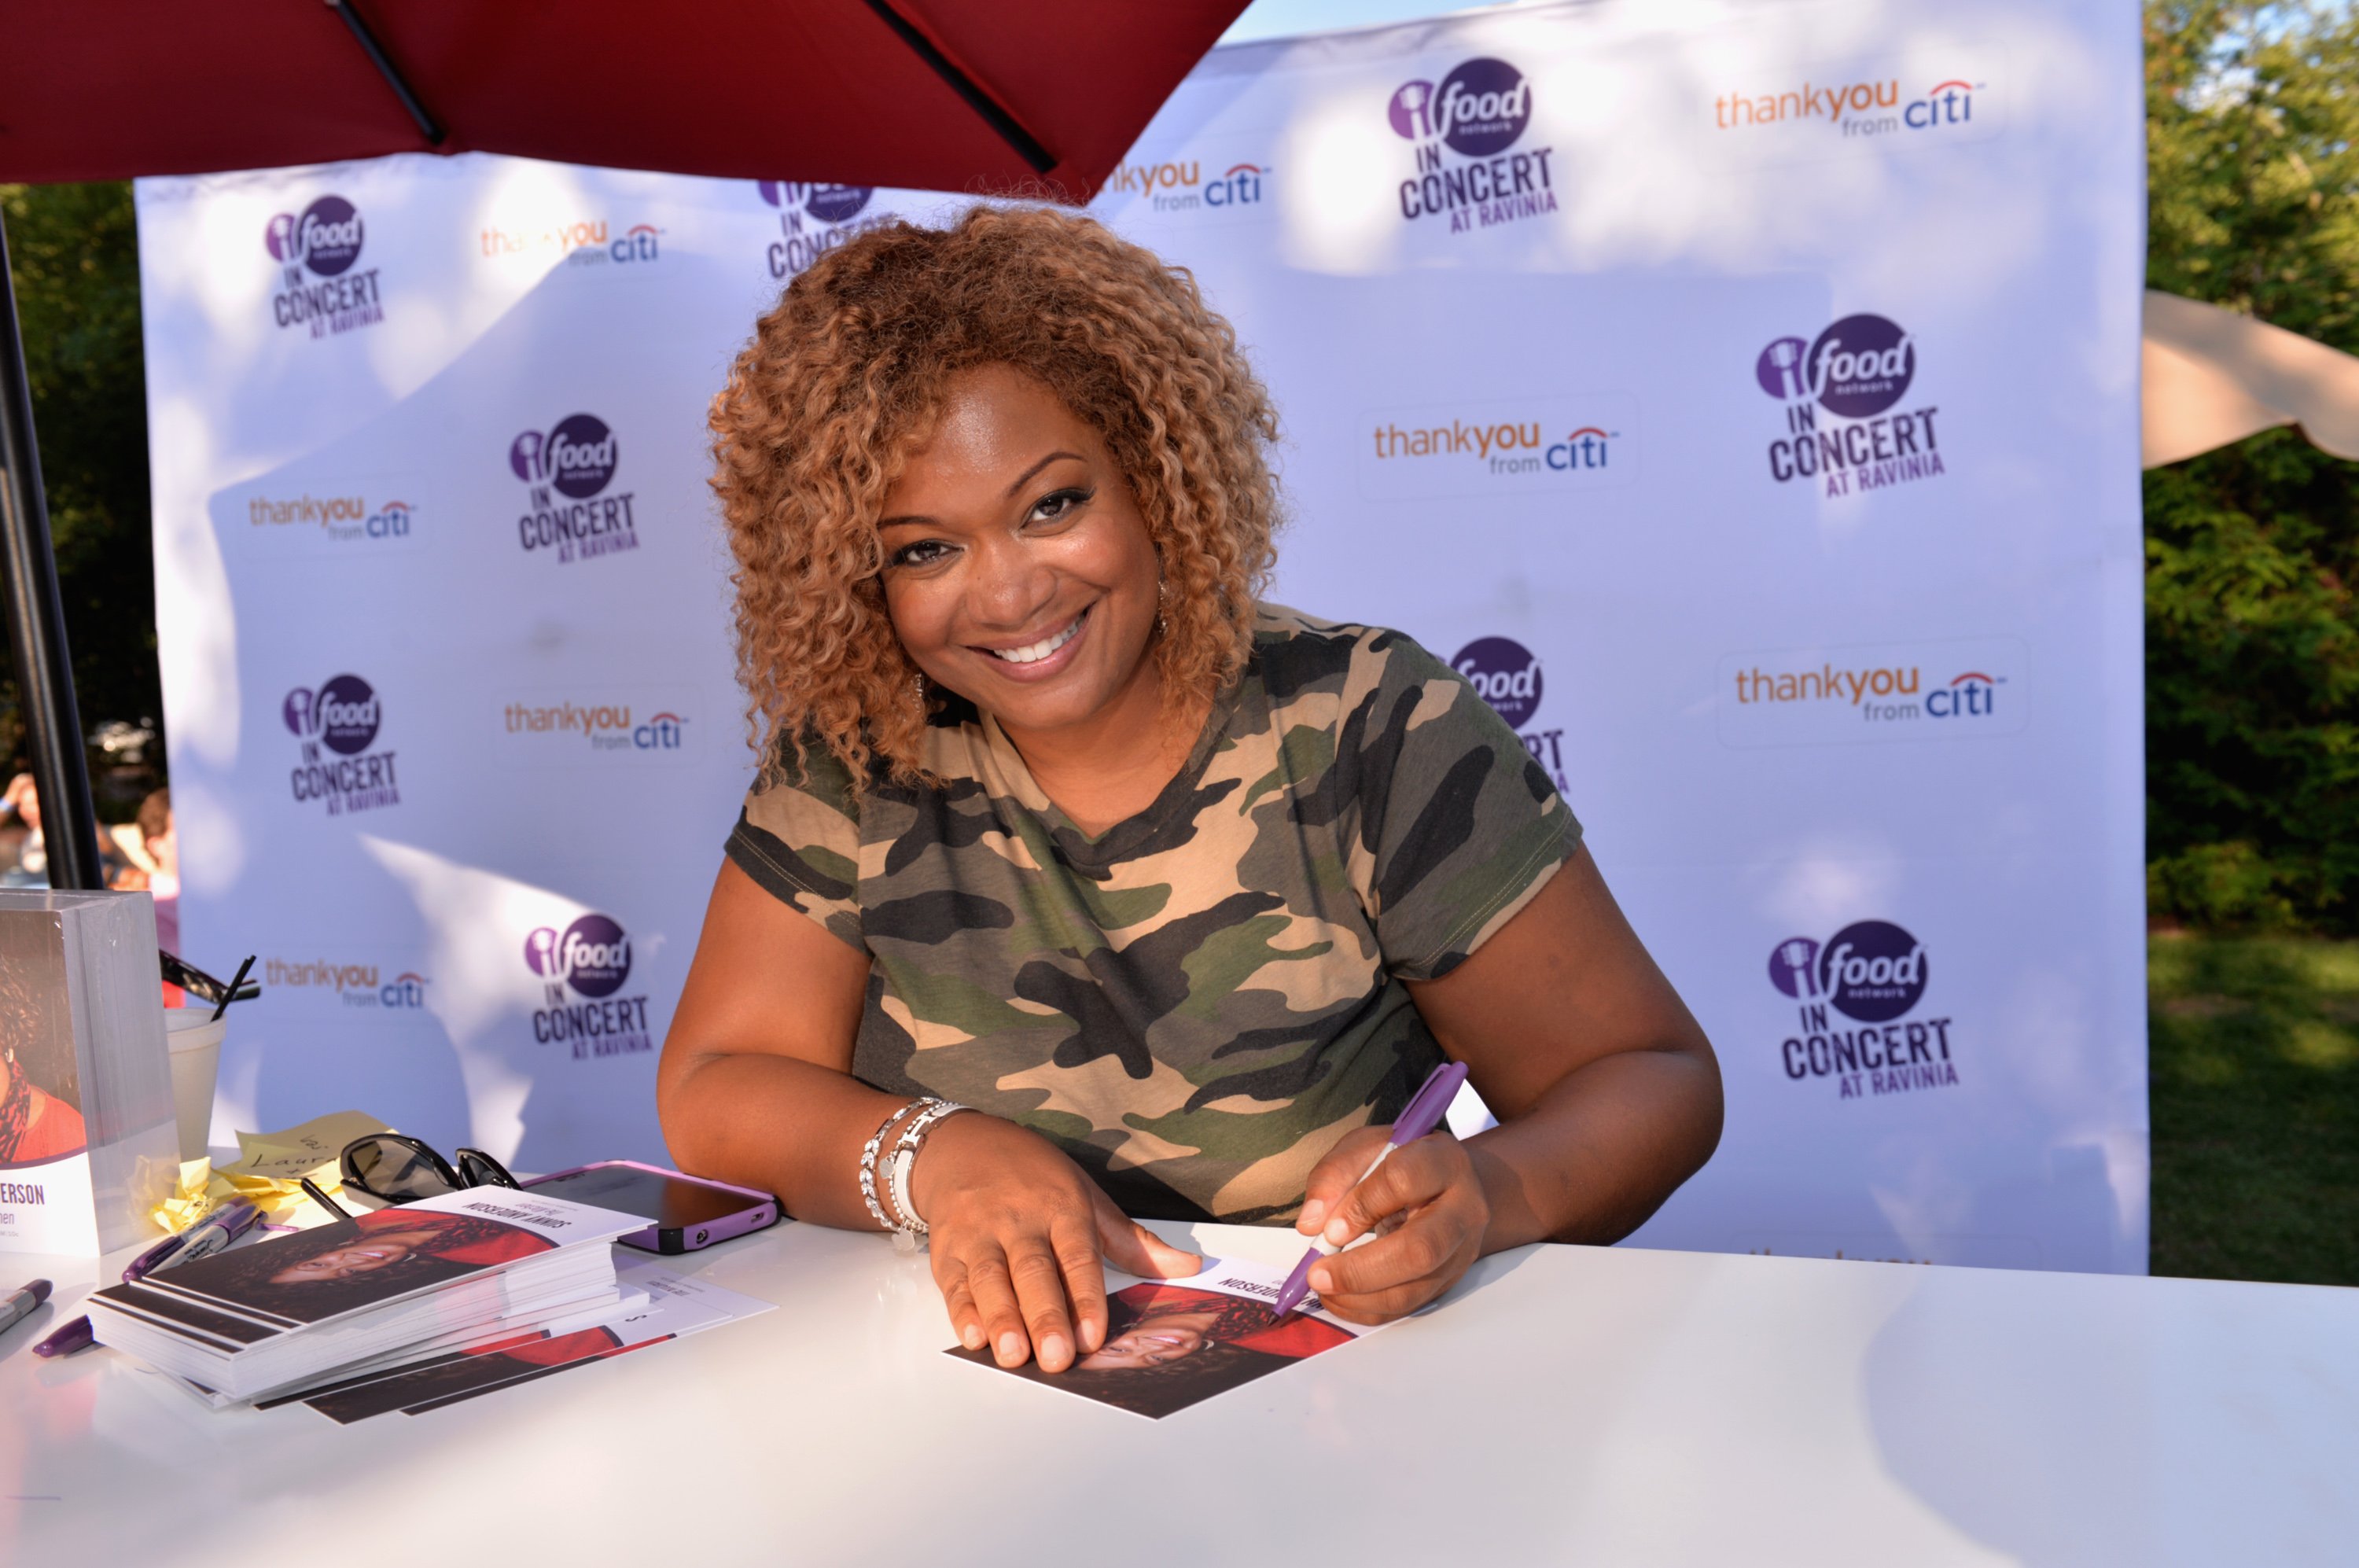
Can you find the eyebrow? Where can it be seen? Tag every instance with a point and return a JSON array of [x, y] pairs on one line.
[[1020, 480]]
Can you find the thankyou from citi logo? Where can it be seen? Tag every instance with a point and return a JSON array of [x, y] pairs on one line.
[[1963, 690], [1507, 675], [1857, 995], [555, 729], [1858, 107], [1547, 444], [1854, 373], [815, 219], [582, 968], [363, 987], [321, 287], [582, 241], [568, 469], [1469, 170], [336, 725], [1185, 186], [355, 519]]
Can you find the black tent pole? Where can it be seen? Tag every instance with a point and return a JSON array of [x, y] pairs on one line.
[[36, 623]]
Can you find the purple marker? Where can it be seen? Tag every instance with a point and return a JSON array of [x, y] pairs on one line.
[[1420, 1115]]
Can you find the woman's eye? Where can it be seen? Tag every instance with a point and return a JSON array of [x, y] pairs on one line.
[[925, 552], [1059, 504]]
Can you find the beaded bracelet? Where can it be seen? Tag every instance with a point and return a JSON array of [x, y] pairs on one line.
[[904, 1159], [868, 1165]]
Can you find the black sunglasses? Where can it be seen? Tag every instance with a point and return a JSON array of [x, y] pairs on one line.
[[401, 1170]]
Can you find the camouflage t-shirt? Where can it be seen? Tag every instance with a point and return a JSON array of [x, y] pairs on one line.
[[1197, 1002]]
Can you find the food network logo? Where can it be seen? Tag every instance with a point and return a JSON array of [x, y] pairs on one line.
[[353, 984], [1507, 675], [1462, 131], [1936, 690], [1874, 973], [815, 219], [317, 251], [1547, 444], [1856, 109], [617, 727], [339, 519], [336, 724], [583, 243], [569, 467], [582, 967], [1181, 186], [1857, 370]]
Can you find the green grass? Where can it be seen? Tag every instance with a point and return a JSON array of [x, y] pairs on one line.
[[2255, 1070]]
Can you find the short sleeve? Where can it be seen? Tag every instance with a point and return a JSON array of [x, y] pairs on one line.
[[1459, 827], [799, 838]]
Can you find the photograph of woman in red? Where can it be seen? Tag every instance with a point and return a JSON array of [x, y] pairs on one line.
[[38, 1080], [1169, 1346]]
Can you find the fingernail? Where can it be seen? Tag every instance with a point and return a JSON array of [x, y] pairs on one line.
[[1054, 1352], [1322, 1280], [1337, 1233], [1092, 1335], [1011, 1347], [1314, 1213], [972, 1336]]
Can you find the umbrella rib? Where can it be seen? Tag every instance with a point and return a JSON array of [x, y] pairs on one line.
[[427, 125], [1027, 146]]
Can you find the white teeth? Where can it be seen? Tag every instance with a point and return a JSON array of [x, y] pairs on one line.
[[1038, 650]]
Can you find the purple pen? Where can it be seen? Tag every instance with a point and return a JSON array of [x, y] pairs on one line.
[[210, 1235], [1420, 1115]]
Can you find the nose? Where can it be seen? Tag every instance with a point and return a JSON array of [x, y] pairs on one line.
[[1009, 586]]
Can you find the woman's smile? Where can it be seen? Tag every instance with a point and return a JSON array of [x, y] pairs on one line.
[[1040, 659]]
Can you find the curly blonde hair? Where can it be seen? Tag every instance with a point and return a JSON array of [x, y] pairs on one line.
[[820, 408]]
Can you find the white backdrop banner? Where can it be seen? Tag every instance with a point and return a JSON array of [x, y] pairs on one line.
[[1743, 396]]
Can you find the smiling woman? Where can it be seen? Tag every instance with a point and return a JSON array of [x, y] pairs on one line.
[[1178, 894]]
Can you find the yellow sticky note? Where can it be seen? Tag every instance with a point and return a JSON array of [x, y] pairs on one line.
[[293, 1153]]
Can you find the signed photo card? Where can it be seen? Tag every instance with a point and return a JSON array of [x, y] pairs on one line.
[[1171, 1343]]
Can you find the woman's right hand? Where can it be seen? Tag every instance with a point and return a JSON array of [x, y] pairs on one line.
[[1016, 1232]]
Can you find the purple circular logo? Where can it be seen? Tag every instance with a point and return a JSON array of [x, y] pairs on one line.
[[1872, 971], [326, 238], [1860, 366], [1411, 111], [1507, 675], [1793, 966], [577, 457], [1482, 108], [828, 204], [341, 715], [1779, 370], [592, 955]]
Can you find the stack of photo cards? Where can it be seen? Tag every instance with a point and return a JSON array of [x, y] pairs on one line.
[[665, 1306], [254, 1320], [1171, 1343]]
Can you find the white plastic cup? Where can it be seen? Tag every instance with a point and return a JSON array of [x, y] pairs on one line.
[[195, 1036]]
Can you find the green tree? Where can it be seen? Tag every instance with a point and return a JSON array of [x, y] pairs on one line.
[[2252, 651], [73, 255]]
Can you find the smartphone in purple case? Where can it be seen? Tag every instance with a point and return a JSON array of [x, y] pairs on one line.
[[687, 1212]]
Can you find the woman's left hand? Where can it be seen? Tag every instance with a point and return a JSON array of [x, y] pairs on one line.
[[1426, 1206]]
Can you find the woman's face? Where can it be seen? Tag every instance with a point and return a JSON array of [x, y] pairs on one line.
[[1018, 569], [1151, 1342], [378, 1250]]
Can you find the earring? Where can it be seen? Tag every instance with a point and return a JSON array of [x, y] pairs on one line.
[[918, 682], [1162, 597]]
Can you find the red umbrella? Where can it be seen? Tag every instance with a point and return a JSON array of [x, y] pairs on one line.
[[981, 95]]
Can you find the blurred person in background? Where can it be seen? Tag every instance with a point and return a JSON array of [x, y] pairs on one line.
[[22, 806], [144, 855]]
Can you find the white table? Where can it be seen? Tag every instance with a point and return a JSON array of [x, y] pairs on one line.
[[1567, 1405]]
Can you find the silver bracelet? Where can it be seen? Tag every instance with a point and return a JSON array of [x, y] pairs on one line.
[[904, 1159], [868, 1165]]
